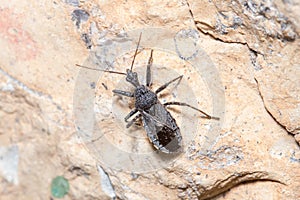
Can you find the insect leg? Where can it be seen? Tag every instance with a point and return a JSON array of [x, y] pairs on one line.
[[124, 93], [132, 112], [133, 120], [185, 104], [148, 74], [167, 84]]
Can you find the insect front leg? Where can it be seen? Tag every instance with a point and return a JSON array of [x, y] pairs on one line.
[[185, 104], [132, 112], [133, 120], [124, 93], [168, 83]]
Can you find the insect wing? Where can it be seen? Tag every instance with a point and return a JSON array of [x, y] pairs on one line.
[[162, 129]]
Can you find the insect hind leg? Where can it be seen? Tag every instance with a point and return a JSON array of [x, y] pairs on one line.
[[185, 104]]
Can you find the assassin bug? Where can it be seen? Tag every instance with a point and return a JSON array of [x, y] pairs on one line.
[[160, 126]]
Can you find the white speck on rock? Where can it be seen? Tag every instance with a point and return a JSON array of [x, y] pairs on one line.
[[9, 160], [7, 87], [105, 183]]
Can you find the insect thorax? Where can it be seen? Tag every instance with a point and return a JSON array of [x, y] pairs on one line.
[[144, 98]]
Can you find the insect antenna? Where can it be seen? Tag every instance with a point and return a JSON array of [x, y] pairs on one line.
[[136, 50], [113, 72]]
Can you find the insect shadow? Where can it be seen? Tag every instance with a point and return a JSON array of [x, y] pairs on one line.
[[161, 128]]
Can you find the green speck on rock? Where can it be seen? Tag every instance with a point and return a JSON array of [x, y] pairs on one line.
[[59, 187]]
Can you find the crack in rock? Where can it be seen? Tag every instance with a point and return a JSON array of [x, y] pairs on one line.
[[268, 111], [197, 191]]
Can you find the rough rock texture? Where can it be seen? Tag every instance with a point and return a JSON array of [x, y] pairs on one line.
[[251, 153]]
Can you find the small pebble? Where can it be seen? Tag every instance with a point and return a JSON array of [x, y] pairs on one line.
[[59, 187]]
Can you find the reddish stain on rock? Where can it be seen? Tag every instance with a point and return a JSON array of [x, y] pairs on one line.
[[20, 41]]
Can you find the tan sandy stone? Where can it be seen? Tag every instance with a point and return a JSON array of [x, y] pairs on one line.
[[254, 47]]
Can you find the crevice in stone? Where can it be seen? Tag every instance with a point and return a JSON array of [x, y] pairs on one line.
[[23, 86], [78, 171], [253, 51], [236, 179], [224, 41], [37, 94], [29, 90], [263, 101], [214, 36], [253, 58]]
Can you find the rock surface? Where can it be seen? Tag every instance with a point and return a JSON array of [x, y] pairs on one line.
[[247, 54]]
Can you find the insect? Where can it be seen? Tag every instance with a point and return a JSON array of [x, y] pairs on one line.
[[161, 128]]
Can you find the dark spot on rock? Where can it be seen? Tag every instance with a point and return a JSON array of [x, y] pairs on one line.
[[93, 85], [105, 86], [87, 40], [134, 175], [80, 16]]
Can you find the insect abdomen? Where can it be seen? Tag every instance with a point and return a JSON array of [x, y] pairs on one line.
[[162, 129]]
